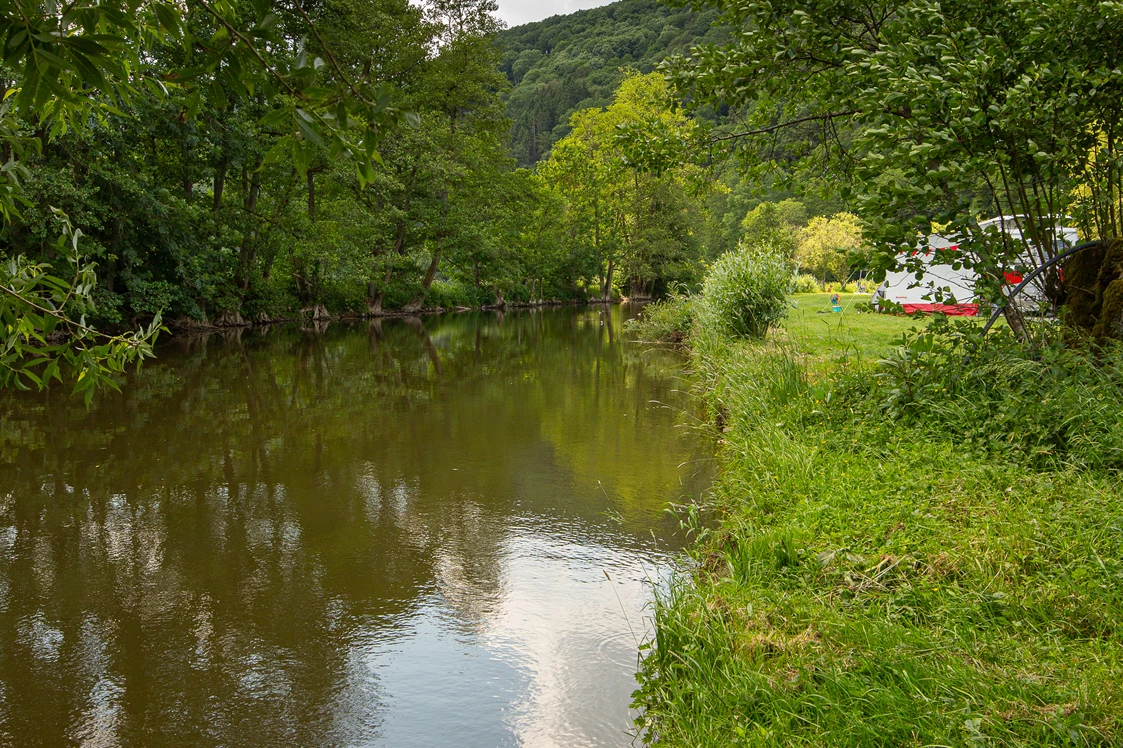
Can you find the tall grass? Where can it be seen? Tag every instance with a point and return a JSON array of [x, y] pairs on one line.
[[746, 292], [939, 568], [668, 320]]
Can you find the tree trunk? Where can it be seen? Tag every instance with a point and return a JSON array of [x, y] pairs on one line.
[[606, 290], [376, 295], [311, 196], [415, 304], [1015, 319], [248, 253], [219, 184]]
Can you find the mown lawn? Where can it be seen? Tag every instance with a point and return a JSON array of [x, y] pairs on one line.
[[853, 335], [872, 580]]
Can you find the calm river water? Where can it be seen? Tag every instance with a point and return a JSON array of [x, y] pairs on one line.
[[398, 533]]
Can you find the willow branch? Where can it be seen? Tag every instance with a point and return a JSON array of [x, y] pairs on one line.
[[61, 317], [327, 51], [245, 40]]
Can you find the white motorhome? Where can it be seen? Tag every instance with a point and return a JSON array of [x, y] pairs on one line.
[[958, 286]]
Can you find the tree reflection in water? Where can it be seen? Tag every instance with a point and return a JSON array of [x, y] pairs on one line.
[[388, 532]]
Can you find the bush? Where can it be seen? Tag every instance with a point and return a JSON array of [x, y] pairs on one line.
[[453, 293], [804, 283], [747, 291], [1046, 403], [666, 321]]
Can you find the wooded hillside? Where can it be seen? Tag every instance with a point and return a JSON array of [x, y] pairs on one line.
[[567, 63]]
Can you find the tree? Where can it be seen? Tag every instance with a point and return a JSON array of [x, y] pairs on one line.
[[826, 243], [777, 224], [79, 67], [621, 218], [934, 113], [568, 63]]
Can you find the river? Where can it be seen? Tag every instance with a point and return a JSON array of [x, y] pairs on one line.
[[389, 533]]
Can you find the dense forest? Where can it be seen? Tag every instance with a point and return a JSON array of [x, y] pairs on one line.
[[563, 64], [212, 203], [360, 157], [192, 202]]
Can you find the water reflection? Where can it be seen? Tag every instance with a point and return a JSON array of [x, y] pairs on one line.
[[388, 533]]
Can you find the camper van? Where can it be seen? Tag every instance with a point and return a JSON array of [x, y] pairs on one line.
[[960, 298]]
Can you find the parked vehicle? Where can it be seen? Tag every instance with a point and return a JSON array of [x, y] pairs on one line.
[[901, 289]]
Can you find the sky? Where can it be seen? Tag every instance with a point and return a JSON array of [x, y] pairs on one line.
[[516, 12]]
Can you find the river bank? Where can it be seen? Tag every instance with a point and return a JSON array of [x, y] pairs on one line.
[[320, 315], [897, 558]]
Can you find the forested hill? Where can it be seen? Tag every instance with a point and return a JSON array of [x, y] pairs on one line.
[[566, 63]]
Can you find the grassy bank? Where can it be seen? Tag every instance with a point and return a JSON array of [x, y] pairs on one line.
[[912, 553]]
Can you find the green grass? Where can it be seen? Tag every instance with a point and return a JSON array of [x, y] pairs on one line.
[[851, 335], [871, 583]]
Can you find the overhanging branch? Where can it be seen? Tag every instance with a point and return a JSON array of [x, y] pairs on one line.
[[782, 125]]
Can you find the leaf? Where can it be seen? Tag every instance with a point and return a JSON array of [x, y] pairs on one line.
[[309, 133], [278, 152], [168, 16], [276, 118]]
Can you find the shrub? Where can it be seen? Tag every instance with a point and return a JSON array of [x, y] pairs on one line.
[[1046, 403], [804, 283], [666, 321], [747, 291]]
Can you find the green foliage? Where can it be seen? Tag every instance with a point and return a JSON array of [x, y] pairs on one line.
[[75, 65], [625, 225], [889, 572], [45, 335], [564, 64], [668, 320], [805, 283], [1047, 404], [777, 224], [826, 246], [746, 292]]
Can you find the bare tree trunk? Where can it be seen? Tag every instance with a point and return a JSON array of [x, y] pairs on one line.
[[415, 304]]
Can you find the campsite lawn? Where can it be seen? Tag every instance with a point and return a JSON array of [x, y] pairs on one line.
[[862, 582], [854, 335]]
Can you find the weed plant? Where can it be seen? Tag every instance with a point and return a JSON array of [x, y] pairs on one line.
[[805, 283]]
